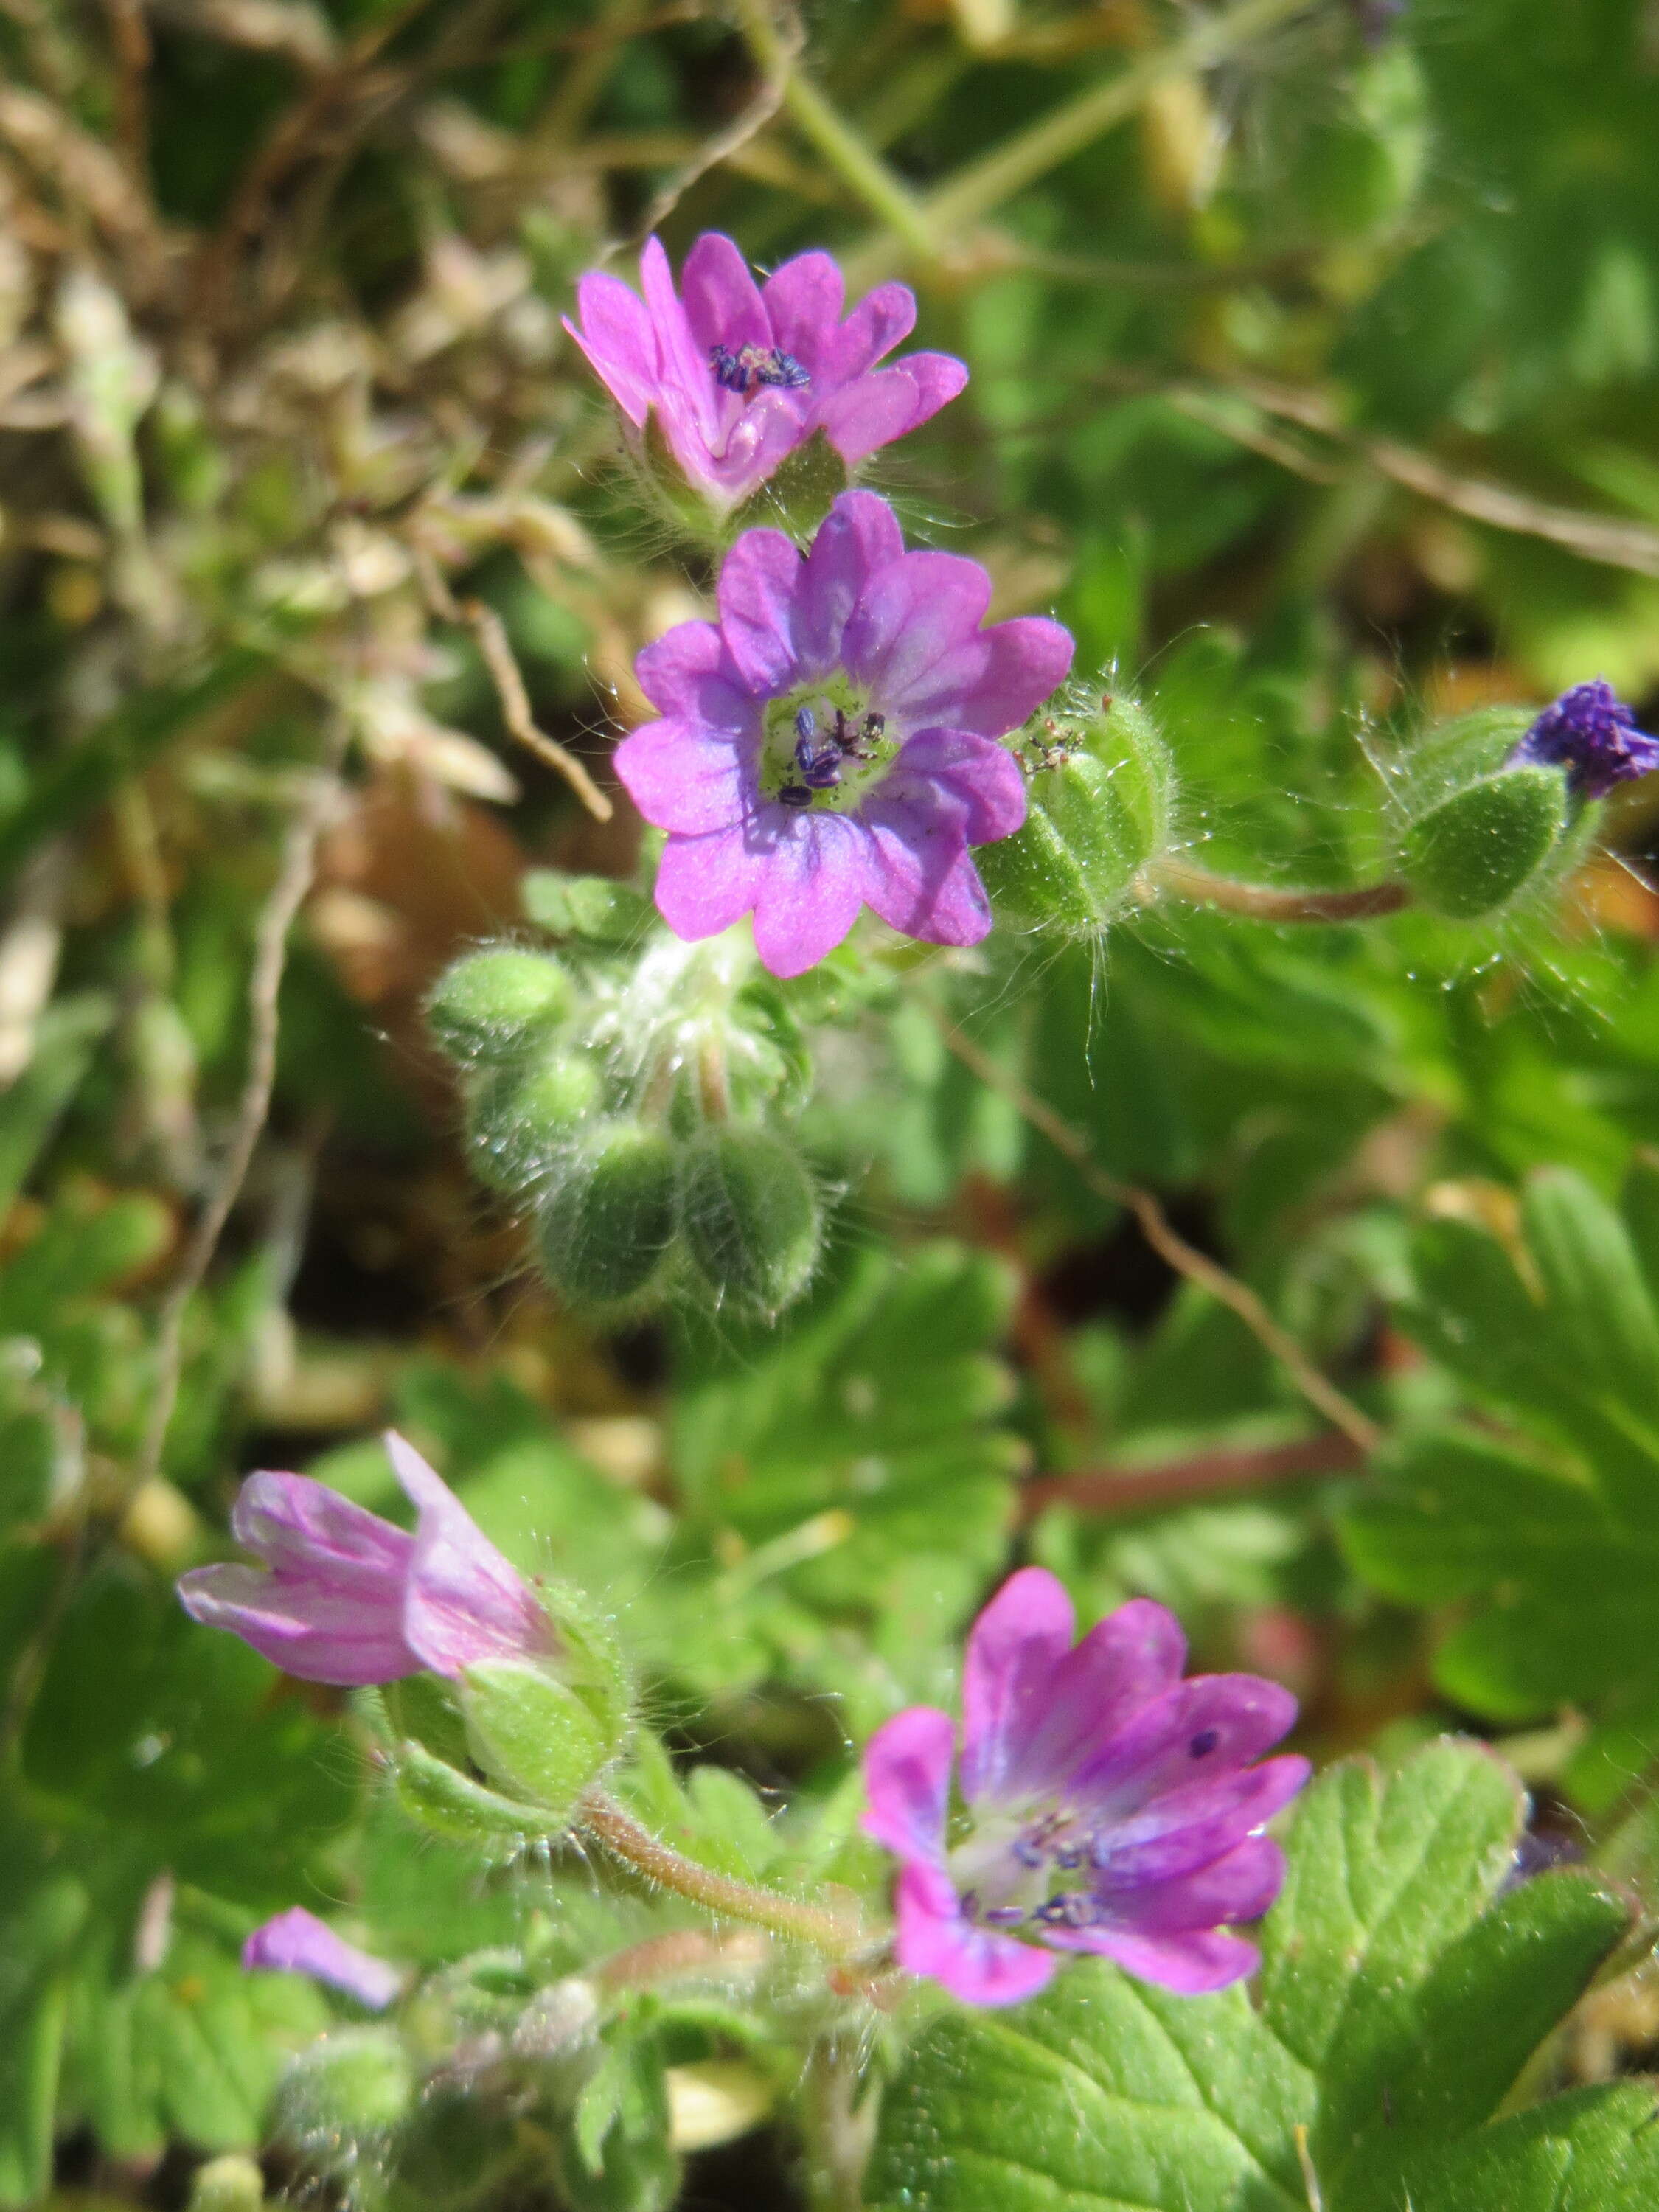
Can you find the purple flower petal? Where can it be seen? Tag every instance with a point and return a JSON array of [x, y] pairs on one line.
[[1185, 1829], [907, 1780], [1014, 1649], [1590, 733], [297, 1942], [934, 1940], [912, 617], [877, 409], [1206, 1726], [869, 414], [809, 894], [688, 672], [685, 370], [1239, 1886], [617, 336], [296, 1524], [1192, 1965], [859, 536], [922, 881], [705, 883], [802, 302], [1122, 1664], [1025, 660], [881, 320], [983, 777], [685, 779], [722, 300], [313, 1630], [462, 1601], [759, 580]]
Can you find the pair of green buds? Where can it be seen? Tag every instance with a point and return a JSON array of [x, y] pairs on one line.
[[1474, 833]]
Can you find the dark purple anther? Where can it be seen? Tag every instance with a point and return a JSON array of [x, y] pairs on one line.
[[818, 766], [1591, 733]]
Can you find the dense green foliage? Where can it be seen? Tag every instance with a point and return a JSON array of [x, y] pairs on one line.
[[1313, 353]]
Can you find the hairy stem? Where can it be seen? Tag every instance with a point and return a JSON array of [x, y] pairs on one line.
[[1168, 1241], [626, 1838], [1273, 901]]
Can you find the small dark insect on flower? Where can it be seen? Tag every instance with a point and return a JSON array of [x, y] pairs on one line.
[[741, 369], [795, 794]]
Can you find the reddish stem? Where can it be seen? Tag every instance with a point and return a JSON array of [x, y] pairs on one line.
[[1101, 1490]]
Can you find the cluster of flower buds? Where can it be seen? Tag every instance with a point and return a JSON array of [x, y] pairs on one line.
[[635, 1098], [1101, 798]]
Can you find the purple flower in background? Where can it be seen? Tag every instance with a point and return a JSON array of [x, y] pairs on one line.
[[1591, 733], [297, 1942], [831, 741], [344, 1597], [740, 374], [1111, 1806]]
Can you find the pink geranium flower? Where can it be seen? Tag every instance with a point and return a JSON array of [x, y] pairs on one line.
[[830, 742], [344, 1597], [1109, 1805], [740, 374]]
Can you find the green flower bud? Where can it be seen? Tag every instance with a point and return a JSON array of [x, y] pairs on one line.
[[605, 1229], [1101, 793], [520, 1118], [492, 1005], [1479, 835], [343, 2096], [752, 1217]]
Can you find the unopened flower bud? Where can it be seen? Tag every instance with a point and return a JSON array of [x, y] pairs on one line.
[[752, 1217], [520, 1119], [1101, 791], [493, 1005], [343, 2096], [606, 1228], [1483, 829]]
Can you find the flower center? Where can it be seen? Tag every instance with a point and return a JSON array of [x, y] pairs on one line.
[[743, 368], [825, 747]]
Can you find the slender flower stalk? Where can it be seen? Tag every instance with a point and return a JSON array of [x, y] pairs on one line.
[[610, 1823]]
